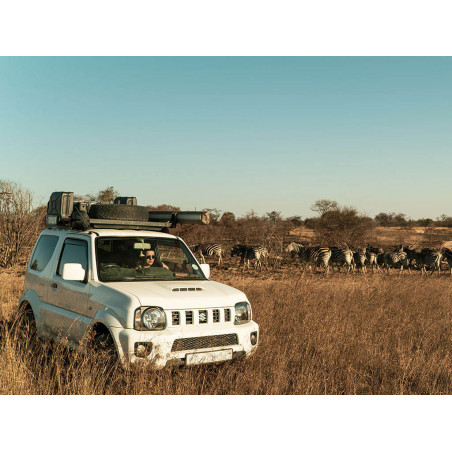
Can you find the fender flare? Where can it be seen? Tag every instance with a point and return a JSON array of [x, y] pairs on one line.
[[32, 299], [108, 317]]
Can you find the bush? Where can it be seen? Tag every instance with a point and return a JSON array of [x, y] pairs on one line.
[[20, 224], [344, 225], [391, 219]]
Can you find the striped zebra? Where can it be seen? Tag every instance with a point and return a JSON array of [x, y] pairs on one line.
[[294, 249], [431, 259], [447, 254], [411, 255], [393, 258], [247, 253], [360, 258], [342, 256], [372, 254], [209, 249], [317, 255]]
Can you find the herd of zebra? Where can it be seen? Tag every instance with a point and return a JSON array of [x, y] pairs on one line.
[[402, 256]]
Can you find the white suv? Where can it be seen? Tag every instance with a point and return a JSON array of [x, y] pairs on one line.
[[140, 293]]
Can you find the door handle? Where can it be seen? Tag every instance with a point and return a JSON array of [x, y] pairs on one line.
[[54, 285]]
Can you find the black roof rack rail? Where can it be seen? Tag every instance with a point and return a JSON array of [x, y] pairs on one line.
[[95, 223]]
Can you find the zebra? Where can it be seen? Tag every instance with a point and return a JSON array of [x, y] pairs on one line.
[[447, 254], [318, 255], [209, 249], [429, 258], [411, 255], [247, 253], [372, 254], [391, 259], [342, 256], [360, 258], [294, 249]]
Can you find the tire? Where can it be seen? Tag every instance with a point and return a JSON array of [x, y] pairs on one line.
[[27, 332], [118, 212], [103, 346]]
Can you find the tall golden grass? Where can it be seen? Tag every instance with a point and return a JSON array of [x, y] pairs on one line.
[[343, 334]]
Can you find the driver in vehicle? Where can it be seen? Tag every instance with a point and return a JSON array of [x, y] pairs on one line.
[[150, 260]]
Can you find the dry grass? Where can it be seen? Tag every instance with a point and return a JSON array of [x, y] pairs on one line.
[[342, 334]]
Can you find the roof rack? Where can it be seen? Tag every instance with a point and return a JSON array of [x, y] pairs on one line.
[[124, 213]]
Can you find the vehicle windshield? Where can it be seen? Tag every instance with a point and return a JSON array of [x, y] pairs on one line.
[[145, 259]]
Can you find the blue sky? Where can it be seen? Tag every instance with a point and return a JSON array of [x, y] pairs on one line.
[[233, 133]]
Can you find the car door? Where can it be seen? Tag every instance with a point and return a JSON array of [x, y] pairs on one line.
[[68, 300], [39, 269]]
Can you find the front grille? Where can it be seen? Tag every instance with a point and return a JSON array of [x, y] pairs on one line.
[[192, 343], [203, 316], [227, 315], [175, 318], [216, 315], [188, 317]]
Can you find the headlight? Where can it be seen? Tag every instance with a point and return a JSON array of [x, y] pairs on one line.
[[242, 313], [150, 319]]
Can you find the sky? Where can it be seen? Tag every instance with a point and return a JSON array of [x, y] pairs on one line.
[[233, 133]]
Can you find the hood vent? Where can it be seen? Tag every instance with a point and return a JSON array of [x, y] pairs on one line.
[[187, 289]]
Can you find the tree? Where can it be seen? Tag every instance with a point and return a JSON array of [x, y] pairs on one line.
[[344, 225], [426, 222], [106, 196], [251, 215], [391, 219], [324, 205], [227, 219], [20, 224], [383, 219], [296, 220], [273, 216], [214, 214], [444, 220]]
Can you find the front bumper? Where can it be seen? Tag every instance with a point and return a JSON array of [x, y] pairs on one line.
[[162, 342]]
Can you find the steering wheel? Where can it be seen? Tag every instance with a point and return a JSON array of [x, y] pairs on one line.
[[108, 266]]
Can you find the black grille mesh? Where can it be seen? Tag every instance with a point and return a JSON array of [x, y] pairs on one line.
[[227, 315], [192, 343], [216, 315]]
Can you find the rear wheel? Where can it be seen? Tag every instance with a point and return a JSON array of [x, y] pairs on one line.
[[27, 332]]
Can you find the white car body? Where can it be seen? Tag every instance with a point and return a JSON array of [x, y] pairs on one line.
[[67, 310]]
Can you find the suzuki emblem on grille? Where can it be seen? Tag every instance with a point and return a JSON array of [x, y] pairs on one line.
[[202, 316]]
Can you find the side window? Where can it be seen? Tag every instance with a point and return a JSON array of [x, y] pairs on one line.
[[74, 252], [43, 252]]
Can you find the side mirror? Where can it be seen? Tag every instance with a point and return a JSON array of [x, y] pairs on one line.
[[205, 269], [73, 272]]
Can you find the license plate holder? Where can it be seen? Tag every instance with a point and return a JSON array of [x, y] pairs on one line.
[[208, 357]]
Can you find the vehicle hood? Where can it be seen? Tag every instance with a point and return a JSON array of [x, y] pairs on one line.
[[181, 294]]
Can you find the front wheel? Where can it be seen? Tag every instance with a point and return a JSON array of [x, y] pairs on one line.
[[103, 347]]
